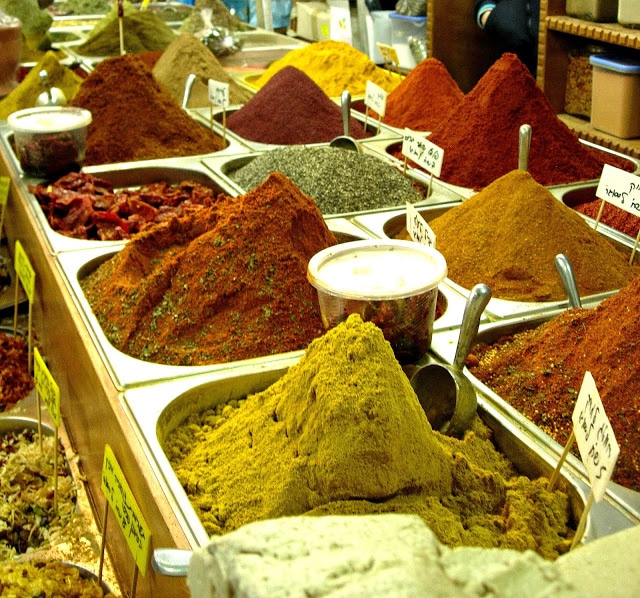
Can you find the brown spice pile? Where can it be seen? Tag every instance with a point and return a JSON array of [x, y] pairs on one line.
[[219, 284], [507, 236], [540, 372], [135, 118], [187, 55]]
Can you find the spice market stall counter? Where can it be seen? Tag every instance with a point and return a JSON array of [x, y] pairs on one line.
[[90, 404], [624, 503]]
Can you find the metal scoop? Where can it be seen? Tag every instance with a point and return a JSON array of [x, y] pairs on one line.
[[345, 141], [51, 96], [524, 145], [563, 266], [445, 393]]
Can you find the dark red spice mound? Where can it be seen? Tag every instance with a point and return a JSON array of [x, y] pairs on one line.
[[426, 96], [135, 118], [291, 109], [221, 283], [480, 137]]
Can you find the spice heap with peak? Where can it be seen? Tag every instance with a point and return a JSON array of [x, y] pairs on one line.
[[480, 136], [136, 118], [193, 291], [342, 433]]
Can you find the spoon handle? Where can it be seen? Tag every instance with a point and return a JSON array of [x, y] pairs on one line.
[[476, 302], [524, 144], [345, 104], [563, 266]]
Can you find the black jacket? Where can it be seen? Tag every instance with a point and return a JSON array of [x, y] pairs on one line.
[[513, 25]]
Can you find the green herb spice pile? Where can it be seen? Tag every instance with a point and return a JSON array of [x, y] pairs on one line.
[[218, 284]]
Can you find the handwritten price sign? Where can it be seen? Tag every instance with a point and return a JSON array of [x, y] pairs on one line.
[[423, 152], [388, 53], [218, 93], [5, 182], [418, 229], [25, 272], [375, 98], [46, 386], [119, 496], [594, 435], [620, 188]]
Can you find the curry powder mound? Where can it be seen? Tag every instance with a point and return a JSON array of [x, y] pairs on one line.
[[342, 432], [508, 234]]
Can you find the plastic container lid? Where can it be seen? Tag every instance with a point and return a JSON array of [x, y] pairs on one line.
[[397, 15], [49, 119], [377, 270], [619, 64]]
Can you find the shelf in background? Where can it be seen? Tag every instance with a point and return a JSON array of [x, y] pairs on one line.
[[584, 130], [610, 33]]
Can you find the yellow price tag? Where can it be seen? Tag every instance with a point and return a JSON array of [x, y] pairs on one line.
[[118, 494], [144, 4], [46, 386], [388, 53], [25, 272], [5, 182]]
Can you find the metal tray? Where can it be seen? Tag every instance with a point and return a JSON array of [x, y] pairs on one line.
[[156, 410], [126, 175], [224, 166], [259, 49], [387, 224], [443, 345]]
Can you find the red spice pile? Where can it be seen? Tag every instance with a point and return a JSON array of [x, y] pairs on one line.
[[135, 118], [291, 109], [426, 96], [221, 283], [612, 216], [15, 380], [480, 137], [540, 372]]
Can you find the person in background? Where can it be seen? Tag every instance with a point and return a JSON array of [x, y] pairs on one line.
[[245, 10], [513, 24]]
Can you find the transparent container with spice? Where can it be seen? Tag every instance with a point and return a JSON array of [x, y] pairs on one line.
[[577, 98]]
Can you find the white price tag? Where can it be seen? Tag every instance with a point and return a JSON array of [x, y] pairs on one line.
[[218, 93], [620, 188], [418, 228], [594, 435], [423, 152], [375, 98]]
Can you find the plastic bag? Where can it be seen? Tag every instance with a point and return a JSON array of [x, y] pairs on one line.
[[412, 8]]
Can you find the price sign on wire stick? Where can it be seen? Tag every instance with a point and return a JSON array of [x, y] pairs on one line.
[[219, 95], [375, 98], [597, 443], [622, 189], [418, 229], [5, 182], [27, 277], [422, 151], [133, 525], [49, 393], [389, 55]]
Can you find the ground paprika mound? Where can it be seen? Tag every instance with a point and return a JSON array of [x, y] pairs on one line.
[[540, 372], [135, 118], [480, 136], [219, 284]]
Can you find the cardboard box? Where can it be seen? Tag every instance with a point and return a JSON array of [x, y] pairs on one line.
[[313, 20], [615, 96]]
